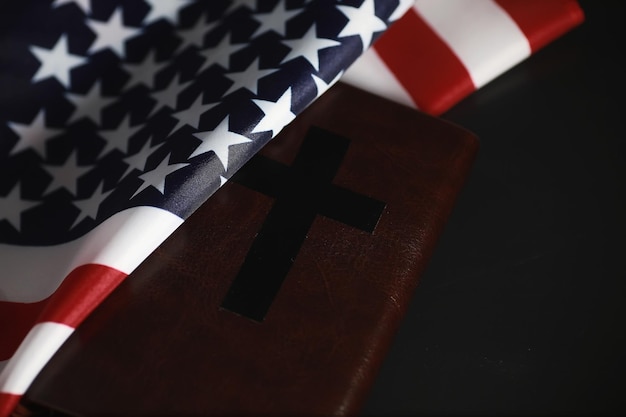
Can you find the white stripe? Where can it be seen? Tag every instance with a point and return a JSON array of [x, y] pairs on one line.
[[370, 73], [481, 34], [41, 342], [122, 242]]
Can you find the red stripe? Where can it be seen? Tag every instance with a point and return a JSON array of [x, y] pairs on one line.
[[425, 66], [16, 319], [83, 289], [542, 21], [8, 402]]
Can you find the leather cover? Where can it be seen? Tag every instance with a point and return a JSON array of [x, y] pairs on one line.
[[282, 293]]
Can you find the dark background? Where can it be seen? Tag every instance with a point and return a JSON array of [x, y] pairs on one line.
[[522, 310]]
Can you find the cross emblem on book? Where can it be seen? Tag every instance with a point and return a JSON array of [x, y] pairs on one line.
[[301, 192]]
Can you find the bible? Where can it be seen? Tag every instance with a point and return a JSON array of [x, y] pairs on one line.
[[282, 293]]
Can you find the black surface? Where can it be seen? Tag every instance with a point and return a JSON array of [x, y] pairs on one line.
[[522, 310]]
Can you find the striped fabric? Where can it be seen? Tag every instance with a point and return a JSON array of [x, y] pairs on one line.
[[119, 118], [441, 51], [91, 273]]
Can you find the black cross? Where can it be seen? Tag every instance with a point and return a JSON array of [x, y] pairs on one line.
[[301, 192]]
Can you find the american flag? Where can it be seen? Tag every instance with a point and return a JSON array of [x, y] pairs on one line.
[[118, 118], [441, 51]]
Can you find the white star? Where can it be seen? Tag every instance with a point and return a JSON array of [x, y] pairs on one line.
[[308, 47], [168, 97], [247, 78], [83, 4], [118, 138], [138, 160], [236, 4], [277, 114], [56, 62], [156, 177], [194, 36], [111, 34], [191, 116], [362, 21], [275, 20], [89, 206], [403, 6], [321, 84], [145, 72], [219, 54], [164, 9], [223, 180], [12, 206], [218, 140], [33, 135], [66, 175], [89, 105]]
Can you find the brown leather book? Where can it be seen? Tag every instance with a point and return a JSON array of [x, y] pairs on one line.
[[282, 293]]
